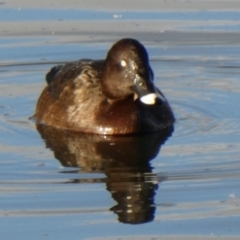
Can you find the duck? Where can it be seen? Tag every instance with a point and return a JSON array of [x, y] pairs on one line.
[[115, 96]]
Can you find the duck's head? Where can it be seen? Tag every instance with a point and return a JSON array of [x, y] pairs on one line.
[[127, 72]]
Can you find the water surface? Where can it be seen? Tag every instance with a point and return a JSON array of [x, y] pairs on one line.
[[82, 187]]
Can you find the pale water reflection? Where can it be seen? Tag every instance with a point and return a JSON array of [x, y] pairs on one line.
[[186, 186], [189, 188]]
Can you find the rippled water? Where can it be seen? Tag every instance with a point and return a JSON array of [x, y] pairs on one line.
[[59, 185]]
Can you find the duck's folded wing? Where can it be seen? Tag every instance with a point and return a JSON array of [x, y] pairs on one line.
[[65, 79]]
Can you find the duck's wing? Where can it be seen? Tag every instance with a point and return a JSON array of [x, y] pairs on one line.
[[73, 74]]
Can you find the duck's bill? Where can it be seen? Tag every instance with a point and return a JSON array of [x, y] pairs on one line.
[[147, 93]]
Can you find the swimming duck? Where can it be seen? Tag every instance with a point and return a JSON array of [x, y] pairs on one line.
[[112, 96]]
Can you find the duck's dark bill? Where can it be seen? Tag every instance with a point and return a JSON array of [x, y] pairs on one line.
[[147, 92]]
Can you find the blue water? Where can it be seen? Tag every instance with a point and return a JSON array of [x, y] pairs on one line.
[[26, 14], [69, 190]]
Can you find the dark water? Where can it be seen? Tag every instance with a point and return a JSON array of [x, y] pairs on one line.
[[58, 185]]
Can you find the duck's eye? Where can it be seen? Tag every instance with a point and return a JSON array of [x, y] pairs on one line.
[[123, 63]]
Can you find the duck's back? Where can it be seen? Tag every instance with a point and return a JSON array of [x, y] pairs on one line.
[[73, 91]]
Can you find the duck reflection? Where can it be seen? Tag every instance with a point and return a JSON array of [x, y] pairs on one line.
[[124, 159]]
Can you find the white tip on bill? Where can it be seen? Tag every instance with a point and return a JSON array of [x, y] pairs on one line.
[[149, 99]]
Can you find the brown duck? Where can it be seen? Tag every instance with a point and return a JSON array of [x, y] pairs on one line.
[[112, 96]]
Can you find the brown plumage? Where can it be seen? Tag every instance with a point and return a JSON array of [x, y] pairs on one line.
[[112, 96]]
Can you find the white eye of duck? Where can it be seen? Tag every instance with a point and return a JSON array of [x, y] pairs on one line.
[[123, 63]]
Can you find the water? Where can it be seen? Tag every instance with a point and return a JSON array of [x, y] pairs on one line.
[[85, 187]]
